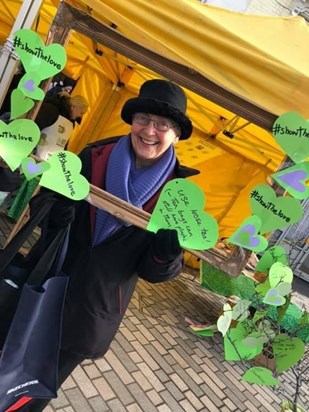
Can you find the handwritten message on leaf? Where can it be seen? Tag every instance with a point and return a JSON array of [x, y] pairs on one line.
[[291, 131], [275, 212], [64, 176], [288, 351], [17, 140], [36, 57], [180, 206]]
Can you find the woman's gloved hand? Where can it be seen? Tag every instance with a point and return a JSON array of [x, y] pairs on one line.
[[61, 215], [165, 244]]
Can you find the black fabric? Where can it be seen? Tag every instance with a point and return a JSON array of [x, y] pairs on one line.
[[103, 278], [162, 98], [9, 181], [166, 245], [66, 365], [15, 269], [29, 358], [51, 109]]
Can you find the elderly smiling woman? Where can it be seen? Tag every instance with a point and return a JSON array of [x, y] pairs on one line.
[[106, 256]]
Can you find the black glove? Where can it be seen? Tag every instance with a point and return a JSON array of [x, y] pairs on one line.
[[62, 212], [61, 215], [165, 244]]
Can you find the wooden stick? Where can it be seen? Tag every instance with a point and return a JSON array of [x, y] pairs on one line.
[[230, 263]]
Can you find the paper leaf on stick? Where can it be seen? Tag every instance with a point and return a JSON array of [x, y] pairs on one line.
[[235, 349], [291, 131], [274, 212], [247, 235], [180, 207], [241, 310], [274, 298], [20, 104], [17, 140], [272, 255], [64, 176], [46, 61], [279, 273], [260, 376], [28, 85], [224, 321], [288, 351], [295, 180]]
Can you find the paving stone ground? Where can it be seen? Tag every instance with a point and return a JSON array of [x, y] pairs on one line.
[[157, 364]]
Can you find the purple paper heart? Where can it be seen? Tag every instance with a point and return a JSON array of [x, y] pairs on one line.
[[34, 168], [293, 179], [274, 298], [29, 85], [249, 230]]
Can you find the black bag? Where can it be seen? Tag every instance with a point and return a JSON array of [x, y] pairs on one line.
[[29, 359], [16, 268]]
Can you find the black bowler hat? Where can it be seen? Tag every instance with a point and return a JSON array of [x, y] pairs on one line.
[[162, 98]]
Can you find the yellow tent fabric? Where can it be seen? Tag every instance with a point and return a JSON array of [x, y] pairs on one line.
[[264, 60]]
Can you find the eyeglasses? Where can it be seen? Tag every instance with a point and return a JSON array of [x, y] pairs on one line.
[[161, 125]]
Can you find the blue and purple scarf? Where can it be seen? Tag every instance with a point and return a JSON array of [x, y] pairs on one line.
[[135, 186]]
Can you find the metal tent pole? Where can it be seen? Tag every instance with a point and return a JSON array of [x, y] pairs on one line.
[[8, 59]]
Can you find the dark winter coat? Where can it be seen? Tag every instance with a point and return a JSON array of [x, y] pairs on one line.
[[103, 277], [51, 108]]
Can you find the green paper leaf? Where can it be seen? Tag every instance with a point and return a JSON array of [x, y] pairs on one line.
[[260, 376], [20, 104], [279, 273], [180, 206], [288, 407], [46, 61], [28, 85], [246, 235], [304, 320], [259, 314], [291, 132], [274, 298], [274, 212], [204, 332], [288, 351], [295, 180], [284, 288], [240, 310], [255, 339], [64, 176], [263, 288], [272, 255], [17, 140], [32, 169], [237, 335], [224, 321]]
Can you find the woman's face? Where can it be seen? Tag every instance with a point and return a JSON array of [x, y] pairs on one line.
[[77, 111], [151, 136]]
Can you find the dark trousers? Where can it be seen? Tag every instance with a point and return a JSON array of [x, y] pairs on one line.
[[67, 364]]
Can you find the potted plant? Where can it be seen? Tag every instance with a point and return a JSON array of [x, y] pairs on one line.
[[265, 330]]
